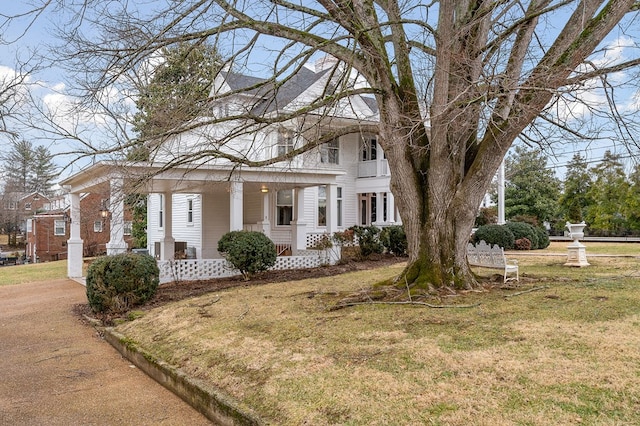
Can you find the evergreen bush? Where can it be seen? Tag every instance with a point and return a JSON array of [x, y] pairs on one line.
[[249, 252], [368, 240], [543, 237], [394, 240], [117, 283], [495, 234], [523, 230]]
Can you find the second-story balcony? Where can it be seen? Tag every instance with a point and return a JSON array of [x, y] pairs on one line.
[[373, 168]]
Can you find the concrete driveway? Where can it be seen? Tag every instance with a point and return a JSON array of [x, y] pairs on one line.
[[54, 370]]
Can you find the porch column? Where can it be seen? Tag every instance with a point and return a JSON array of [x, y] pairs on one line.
[[298, 226], [116, 243], [379, 208], [236, 220], [391, 208], [168, 246], [264, 223], [332, 208], [74, 243]]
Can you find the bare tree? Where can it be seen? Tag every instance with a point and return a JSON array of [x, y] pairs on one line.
[[456, 83]]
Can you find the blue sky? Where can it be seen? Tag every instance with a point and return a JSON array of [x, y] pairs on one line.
[[48, 84]]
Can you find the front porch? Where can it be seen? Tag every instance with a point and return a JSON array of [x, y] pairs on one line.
[[229, 200]]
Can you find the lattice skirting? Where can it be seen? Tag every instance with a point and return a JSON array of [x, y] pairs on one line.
[[202, 269]]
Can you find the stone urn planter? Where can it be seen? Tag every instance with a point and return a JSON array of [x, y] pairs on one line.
[[577, 255]]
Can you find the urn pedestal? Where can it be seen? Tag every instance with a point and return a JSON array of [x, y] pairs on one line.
[[577, 255]]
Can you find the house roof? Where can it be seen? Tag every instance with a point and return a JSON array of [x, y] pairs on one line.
[[276, 97], [34, 194]]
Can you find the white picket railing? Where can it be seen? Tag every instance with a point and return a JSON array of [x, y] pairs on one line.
[[202, 269]]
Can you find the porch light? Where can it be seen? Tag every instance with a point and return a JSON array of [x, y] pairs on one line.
[[104, 213], [264, 189]]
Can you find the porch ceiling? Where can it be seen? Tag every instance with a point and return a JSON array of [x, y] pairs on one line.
[[150, 178]]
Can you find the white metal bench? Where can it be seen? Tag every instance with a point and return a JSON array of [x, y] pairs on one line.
[[492, 256]]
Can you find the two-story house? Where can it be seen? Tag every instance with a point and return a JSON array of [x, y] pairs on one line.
[[333, 186], [47, 231]]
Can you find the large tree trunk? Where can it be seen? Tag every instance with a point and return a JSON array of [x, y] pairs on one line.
[[437, 207]]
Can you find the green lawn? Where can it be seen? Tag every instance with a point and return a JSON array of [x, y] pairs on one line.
[[559, 348]]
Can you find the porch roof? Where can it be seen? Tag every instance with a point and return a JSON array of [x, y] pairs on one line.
[[155, 177]]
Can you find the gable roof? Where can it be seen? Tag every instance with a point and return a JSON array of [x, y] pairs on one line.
[[273, 96]]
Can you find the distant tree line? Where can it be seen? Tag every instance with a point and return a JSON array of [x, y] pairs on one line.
[[602, 195]]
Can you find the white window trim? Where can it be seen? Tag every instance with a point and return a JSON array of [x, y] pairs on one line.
[[98, 226], [276, 205], [318, 207], [327, 148], [190, 212], [286, 142], [59, 224]]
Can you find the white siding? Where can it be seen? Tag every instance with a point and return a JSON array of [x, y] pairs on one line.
[[252, 207], [215, 223], [182, 230]]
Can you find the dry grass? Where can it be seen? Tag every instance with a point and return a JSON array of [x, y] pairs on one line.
[[20, 274], [564, 354]]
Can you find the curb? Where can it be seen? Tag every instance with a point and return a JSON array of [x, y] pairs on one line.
[[212, 403]]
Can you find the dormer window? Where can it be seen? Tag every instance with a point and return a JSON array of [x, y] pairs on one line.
[[285, 142]]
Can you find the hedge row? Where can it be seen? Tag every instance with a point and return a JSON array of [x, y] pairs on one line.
[[513, 235]]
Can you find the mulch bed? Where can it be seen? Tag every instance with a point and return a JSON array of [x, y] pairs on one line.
[[175, 291]]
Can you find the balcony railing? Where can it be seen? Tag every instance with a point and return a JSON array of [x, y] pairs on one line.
[[373, 168]]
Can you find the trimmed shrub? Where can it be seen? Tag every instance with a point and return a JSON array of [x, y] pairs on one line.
[[249, 252], [495, 234], [543, 237], [394, 240], [522, 244], [117, 283], [368, 240], [523, 230]]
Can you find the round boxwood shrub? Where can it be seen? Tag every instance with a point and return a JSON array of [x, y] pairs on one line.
[[248, 251], [117, 283], [523, 230], [495, 234], [543, 237], [394, 240]]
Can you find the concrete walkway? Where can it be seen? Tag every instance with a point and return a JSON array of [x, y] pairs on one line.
[[55, 370]]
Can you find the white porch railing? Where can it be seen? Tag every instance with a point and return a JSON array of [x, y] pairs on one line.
[[373, 168], [202, 269]]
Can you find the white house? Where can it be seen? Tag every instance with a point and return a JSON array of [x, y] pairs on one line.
[[333, 186]]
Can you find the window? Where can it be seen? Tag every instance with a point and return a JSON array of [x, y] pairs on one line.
[[27, 206], [29, 225], [190, 211], [97, 226], [59, 227], [322, 205], [369, 149], [285, 141], [339, 205], [284, 207], [127, 227], [330, 152], [161, 212]]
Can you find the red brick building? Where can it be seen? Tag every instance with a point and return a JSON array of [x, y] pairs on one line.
[[48, 231]]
